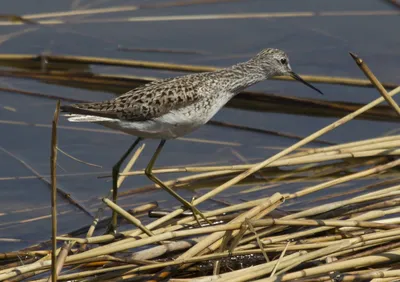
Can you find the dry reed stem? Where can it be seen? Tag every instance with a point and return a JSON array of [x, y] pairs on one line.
[[367, 216], [380, 205], [252, 230], [304, 246], [8, 178], [221, 249], [367, 245], [251, 273], [326, 155], [118, 9], [371, 142], [319, 210], [129, 165], [391, 256], [134, 211], [280, 259], [344, 179], [343, 244], [378, 194], [53, 172], [127, 216], [158, 251], [363, 66], [25, 269], [163, 264], [23, 277], [230, 275], [92, 227], [270, 264], [225, 16], [392, 279], [372, 274], [365, 188], [322, 222], [382, 145], [16, 254], [177, 67], [15, 19], [62, 256], [229, 209], [213, 241], [381, 247], [81, 12], [77, 160], [375, 145], [183, 181]]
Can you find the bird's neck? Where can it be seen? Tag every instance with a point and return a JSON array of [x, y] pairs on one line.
[[241, 76]]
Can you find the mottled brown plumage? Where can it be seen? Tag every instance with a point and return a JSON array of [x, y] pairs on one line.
[[160, 97], [145, 102], [173, 107]]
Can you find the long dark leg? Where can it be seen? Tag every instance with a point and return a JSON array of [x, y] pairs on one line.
[[152, 177], [115, 176]]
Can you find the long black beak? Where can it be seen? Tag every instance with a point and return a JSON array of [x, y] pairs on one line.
[[298, 78]]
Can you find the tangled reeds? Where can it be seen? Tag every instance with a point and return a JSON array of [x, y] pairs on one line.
[[334, 239]]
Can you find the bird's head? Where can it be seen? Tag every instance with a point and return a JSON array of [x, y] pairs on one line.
[[275, 62]]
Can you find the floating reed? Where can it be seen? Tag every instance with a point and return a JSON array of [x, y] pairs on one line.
[[19, 20]]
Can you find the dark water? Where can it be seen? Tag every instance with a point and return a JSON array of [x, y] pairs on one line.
[[317, 44]]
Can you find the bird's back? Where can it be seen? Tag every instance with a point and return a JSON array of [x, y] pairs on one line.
[[149, 101]]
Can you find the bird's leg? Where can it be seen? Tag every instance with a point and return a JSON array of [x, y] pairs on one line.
[[115, 176], [152, 177]]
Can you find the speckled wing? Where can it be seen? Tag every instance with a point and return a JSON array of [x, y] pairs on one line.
[[146, 102]]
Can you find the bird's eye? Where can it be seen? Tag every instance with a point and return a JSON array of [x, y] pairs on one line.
[[283, 61]]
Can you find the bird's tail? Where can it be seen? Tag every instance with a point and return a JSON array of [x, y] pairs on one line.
[[80, 113], [85, 118]]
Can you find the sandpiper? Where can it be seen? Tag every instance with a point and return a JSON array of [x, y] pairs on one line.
[[170, 108]]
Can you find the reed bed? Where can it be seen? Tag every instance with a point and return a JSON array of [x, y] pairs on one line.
[[336, 235]]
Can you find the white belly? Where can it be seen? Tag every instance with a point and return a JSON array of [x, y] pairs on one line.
[[154, 129], [169, 126]]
